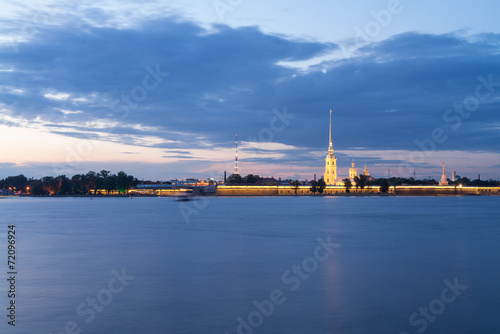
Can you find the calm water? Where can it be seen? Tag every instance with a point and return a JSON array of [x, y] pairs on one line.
[[388, 267]]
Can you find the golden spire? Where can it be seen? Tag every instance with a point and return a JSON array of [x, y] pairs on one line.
[[330, 148], [330, 127]]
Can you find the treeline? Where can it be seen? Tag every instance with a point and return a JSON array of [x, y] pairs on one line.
[[79, 184], [236, 179]]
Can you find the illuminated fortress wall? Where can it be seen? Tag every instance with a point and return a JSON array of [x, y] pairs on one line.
[[338, 190], [247, 191]]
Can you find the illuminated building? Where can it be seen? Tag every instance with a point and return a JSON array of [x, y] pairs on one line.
[[444, 178], [353, 171], [330, 175]]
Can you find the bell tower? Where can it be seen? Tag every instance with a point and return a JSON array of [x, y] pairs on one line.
[[330, 175], [353, 171]]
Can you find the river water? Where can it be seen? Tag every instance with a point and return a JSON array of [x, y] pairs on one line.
[[253, 265]]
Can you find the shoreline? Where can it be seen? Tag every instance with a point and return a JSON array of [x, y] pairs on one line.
[[290, 191], [253, 195]]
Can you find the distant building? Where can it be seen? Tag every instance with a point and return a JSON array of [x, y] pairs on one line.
[[267, 181], [365, 172], [353, 171], [369, 178], [6, 192], [444, 178], [330, 176]]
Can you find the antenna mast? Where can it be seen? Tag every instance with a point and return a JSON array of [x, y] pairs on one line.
[[236, 157]]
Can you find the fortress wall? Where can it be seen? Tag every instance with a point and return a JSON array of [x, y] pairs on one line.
[[339, 190], [329, 190], [247, 191], [444, 191]]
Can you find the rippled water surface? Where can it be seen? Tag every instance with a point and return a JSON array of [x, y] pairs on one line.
[[253, 265]]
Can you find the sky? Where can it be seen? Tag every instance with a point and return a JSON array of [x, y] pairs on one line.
[[159, 89]]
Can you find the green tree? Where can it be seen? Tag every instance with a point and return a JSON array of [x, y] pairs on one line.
[[360, 181], [347, 185], [19, 182], [124, 182], [77, 184], [250, 178], [91, 181], [110, 183], [296, 185], [356, 182], [321, 186], [234, 178], [384, 186], [314, 187], [50, 184], [64, 185], [36, 188]]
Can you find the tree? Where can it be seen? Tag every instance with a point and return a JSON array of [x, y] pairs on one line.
[[18, 182], [250, 178], [124, 182], [36, 188], [384, 186], [64, 185], [314, 187], [347, 185], [234, 178], [321, 186], [77, 184], [104, 173], [360, 181], [91, 179], [110, 183], [356, 182], [296, 185], [364, 181], [51, 184]]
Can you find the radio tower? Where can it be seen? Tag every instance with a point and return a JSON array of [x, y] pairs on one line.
[[236, 157]]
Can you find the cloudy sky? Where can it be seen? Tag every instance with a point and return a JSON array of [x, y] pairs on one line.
[[159, 89]]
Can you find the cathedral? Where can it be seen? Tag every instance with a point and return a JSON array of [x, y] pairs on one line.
[[444, 178], [330, 175], [331, 178]]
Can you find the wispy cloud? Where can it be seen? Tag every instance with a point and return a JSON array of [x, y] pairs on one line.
[[224, 80]]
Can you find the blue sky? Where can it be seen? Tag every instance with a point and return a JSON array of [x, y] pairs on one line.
[[160, 89]]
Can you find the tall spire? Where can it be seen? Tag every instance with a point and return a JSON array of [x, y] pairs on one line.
[[331, 127], [330, 175], [330, 148]]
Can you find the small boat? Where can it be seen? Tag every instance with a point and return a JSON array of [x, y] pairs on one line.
[[184, 197]]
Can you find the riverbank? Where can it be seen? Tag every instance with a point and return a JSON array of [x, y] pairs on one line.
[[367, 191], [238, 191]]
